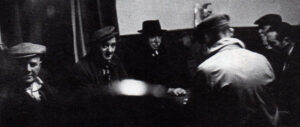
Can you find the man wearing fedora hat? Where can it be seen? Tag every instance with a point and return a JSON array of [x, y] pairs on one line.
[[101, 66], [153, 32], [151, 59], [26, 94], [156, 59], [231, 88]]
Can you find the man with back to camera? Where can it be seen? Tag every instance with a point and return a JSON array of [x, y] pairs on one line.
[[231, 86]]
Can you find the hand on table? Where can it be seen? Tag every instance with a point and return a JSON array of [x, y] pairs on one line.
[[177, 91]]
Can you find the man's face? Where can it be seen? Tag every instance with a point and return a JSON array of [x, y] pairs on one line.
[[272, 38], [29, 68], [262, 30], [108, 48], [154, 41]]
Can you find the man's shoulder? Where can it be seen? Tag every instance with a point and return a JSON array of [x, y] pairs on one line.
[[49, 90], [83, 62], [228, 60]]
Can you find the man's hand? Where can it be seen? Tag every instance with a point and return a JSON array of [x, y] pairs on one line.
[[176, 91]]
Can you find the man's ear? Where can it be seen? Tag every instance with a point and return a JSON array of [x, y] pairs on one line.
[[206, 37], [286, 39]]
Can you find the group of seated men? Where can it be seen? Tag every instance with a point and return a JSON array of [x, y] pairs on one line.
[[232, 86]]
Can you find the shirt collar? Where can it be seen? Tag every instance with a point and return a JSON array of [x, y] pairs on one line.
[[37, 85], [225, 42]]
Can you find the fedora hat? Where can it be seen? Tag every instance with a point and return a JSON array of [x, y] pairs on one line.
[[151, 27], [103, 35]]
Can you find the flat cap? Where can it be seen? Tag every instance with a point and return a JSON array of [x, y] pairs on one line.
[[103, 34], [283, 28], [269, 19], [213, 22], [25, 50]]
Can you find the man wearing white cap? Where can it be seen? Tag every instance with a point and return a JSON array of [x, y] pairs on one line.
[[28, 59], [25, 94]]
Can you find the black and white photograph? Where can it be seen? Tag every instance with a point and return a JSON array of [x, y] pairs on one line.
[[149, 63]]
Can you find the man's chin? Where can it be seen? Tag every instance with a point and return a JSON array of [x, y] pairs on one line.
[[28, 79], [108, 57], [154, 47]]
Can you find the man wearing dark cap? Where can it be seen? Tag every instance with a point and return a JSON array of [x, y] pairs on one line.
[[287, 86], [26, 93], [101, 66], [281, 38], [231, 85], [264, 23], [94, 75]]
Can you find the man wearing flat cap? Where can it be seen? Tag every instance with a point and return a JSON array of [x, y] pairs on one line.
[[26, 94], [94, 75], [231, 86], [264, 23], [101, 66], [279, 37], [276, 58], [287, 86]]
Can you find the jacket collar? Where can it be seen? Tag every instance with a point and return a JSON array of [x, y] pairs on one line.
[[100, 62], [36, 85], [223, 43]]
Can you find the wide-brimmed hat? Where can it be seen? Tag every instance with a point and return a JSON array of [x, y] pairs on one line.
[[26, 50], [152, 27], [103, 35], [213, 22], [269, 19]]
